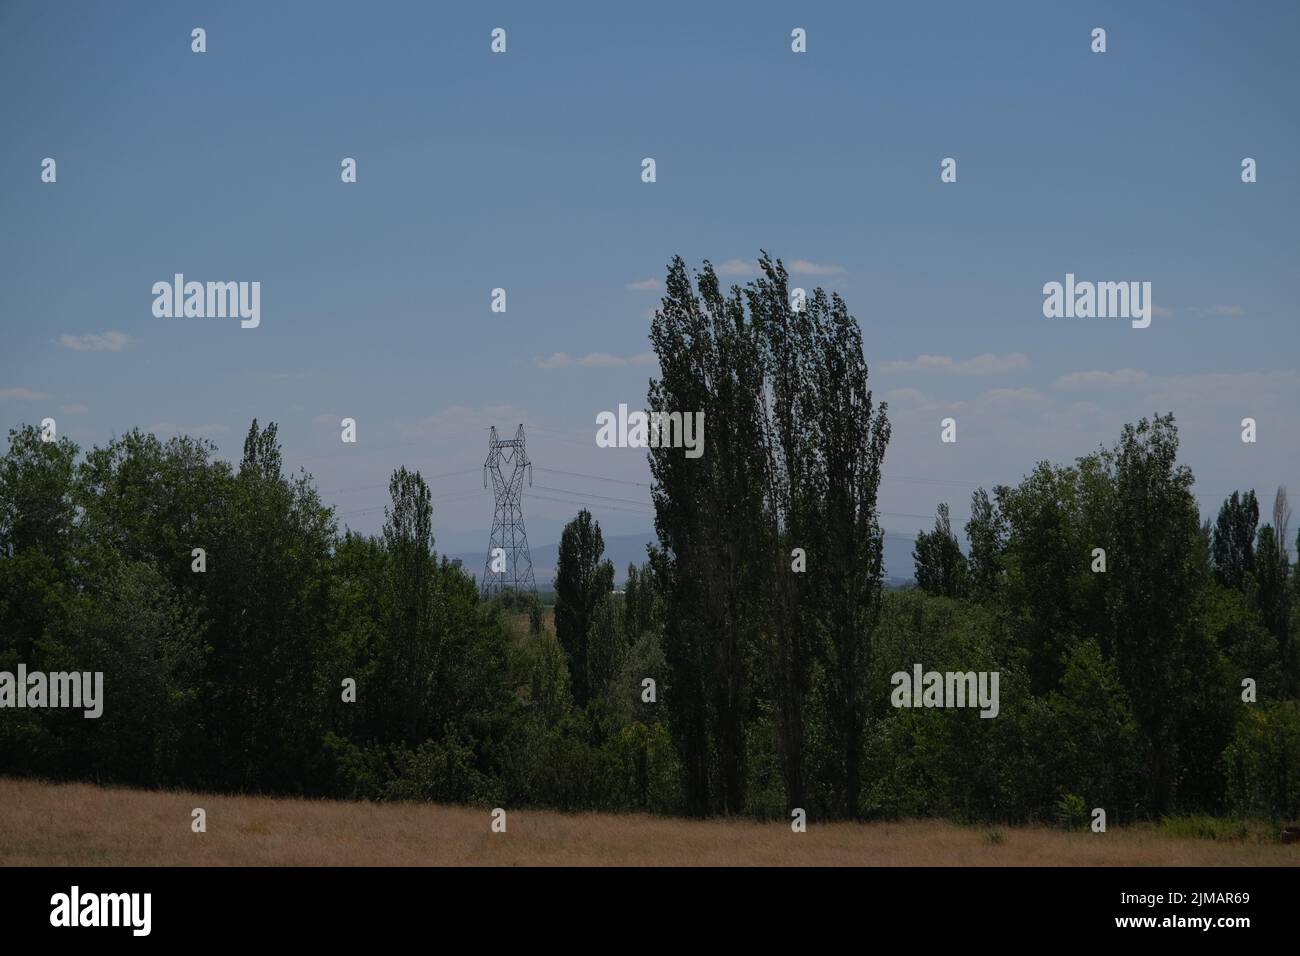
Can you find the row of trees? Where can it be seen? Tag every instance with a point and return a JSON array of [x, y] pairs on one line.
[[1106, 560], [744, 668], [224, 666]]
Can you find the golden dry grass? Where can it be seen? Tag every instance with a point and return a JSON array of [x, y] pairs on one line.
[[84, 825]]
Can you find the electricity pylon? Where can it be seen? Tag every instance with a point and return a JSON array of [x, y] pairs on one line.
[[508, 543]]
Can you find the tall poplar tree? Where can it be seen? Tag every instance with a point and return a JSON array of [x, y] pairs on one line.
[[582, 583]]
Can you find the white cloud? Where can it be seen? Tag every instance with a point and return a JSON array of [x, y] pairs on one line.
[[21, 395], [802, 267], [1179, 388], [742, 268], [108, 342], [645, 285], [601, 360], [555, 360], [736, 267], [986, 364], [1119, 378]]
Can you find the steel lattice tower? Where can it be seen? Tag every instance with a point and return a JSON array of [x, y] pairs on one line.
[[508, 524]]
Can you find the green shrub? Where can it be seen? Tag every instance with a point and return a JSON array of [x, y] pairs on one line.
[[1262, 764], [1072, 812], [440, 771], [1199, 826]]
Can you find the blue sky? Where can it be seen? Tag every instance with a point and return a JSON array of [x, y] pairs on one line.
[[522, 171]]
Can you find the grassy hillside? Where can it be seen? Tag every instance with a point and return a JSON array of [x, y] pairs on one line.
[[83, 825]]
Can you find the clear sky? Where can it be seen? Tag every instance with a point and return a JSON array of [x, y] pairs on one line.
[[522, 170]]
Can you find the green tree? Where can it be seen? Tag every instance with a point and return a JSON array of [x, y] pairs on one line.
[[1234, 539], [266, 613], [709, 514], [1157, 533], [791, 464], [1047, 560], [986, 532], [854, 433], [1272, 572], [582, 582], [36, 486], [37, 538], [940, 566], [632, 601], [607, 644], [1263, 762], [412, 640]]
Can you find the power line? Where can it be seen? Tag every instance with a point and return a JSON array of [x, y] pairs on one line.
[[589, 494], [449, 474], [436, 499], [564, 501], [905, 514], [579, 474]]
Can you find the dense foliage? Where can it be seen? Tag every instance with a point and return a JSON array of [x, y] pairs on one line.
[[744, 669]]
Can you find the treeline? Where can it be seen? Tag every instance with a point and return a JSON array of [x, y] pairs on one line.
[[1172, 643], [745, 668], [288, 657]]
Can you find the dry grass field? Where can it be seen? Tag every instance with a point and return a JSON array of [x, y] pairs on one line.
[[84, 825]]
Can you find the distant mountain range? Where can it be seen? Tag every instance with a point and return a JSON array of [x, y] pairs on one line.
[[625, 549]]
